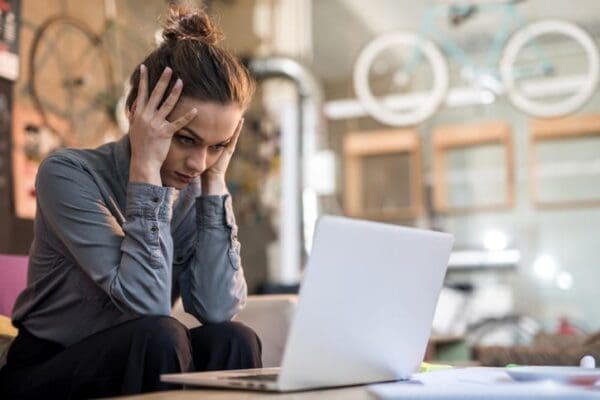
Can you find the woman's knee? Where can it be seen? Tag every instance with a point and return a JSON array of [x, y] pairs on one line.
[[229, 333], [227, 345], [236, 332], [162, 332]]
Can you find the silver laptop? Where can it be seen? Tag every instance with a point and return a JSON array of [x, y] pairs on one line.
[[364, 313]]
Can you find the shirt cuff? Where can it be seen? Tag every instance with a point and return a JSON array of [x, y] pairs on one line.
[[215, 211], [147, 200]]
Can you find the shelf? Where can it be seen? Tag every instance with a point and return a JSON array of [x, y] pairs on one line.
[[456, 97], [482, 259]]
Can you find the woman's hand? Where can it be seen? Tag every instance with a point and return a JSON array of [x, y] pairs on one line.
[[150, 133], [213, 179]]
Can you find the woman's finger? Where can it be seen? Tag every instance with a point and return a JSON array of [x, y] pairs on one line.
[[142, 95], [159, 90], [183, 121], [171, 100], [238, 130]]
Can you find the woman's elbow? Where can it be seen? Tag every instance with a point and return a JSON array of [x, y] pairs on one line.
[[218, 312]]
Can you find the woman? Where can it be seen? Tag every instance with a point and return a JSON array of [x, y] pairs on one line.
[[123, 230]]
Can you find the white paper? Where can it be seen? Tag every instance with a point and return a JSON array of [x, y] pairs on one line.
[[477, 383]]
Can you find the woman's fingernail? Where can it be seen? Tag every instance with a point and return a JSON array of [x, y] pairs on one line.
[[179, 82], [167, 70], [142, 68]]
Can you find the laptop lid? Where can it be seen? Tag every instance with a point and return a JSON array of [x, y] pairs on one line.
[[366, 304]]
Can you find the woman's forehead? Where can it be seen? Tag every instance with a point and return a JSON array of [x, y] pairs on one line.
[[214, 122]]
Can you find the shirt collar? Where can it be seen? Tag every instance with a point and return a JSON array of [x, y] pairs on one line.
[[123, 159]]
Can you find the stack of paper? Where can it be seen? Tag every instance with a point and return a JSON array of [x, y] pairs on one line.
[[478, 383]]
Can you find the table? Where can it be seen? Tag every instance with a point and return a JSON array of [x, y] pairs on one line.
[[347, 393]]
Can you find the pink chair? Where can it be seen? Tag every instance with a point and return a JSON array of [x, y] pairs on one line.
[[13, 278]]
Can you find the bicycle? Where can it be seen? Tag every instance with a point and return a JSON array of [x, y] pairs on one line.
[[526, 65], [77, 78]]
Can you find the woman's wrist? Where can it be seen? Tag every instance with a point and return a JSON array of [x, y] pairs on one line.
[[213, 186], [144, 174]]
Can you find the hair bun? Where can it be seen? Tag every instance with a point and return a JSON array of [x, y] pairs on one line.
[[190, 23]]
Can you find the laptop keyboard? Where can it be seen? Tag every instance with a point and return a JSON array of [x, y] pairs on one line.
[[257, 377]]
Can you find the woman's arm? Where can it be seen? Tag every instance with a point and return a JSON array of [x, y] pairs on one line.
[[213, 287], [132, 262], [212, 284]]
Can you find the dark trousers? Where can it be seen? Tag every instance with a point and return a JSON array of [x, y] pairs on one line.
[[124, 359]]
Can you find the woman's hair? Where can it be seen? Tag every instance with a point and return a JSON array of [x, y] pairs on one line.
[[190, 48]]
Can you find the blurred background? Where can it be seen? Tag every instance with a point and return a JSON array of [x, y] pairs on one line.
[[478, 118]]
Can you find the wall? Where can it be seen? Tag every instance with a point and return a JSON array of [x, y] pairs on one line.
[[568, 236], [127, 41]]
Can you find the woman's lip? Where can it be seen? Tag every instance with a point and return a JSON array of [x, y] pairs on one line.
[[183, 177]]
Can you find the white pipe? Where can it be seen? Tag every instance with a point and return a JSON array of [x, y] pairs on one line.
[[456, 97], [308, 121], [290, 202]]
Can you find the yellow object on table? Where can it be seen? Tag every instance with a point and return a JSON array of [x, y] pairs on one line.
[[428, 367]]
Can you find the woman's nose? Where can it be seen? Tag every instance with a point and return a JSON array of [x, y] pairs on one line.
[[196, 163]]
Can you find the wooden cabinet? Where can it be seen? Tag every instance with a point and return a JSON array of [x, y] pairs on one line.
[[397, 144], [471, 136]]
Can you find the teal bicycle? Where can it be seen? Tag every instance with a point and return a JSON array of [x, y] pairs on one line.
[[548, 68]]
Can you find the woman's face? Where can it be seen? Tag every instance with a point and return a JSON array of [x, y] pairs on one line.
[[197, 146]]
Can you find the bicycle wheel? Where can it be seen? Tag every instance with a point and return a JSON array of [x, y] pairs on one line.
[[400, 78], [71, 79], [550, 68]]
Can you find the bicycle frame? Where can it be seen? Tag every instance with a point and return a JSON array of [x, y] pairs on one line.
[[511, 21], [415, 77]]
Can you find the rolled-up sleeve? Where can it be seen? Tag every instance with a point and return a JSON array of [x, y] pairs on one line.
[[213, 286], [131, 261]]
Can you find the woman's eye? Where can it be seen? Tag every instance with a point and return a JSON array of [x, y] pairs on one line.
[[218, 146], [185, 140]]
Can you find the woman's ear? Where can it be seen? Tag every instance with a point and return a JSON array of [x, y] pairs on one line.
[[131, 112]]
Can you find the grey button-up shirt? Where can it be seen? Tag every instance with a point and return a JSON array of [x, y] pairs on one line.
[[107, 250]]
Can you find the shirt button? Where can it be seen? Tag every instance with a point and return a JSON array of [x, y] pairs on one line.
[[154, 228], [179, 259], [156, 199]]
